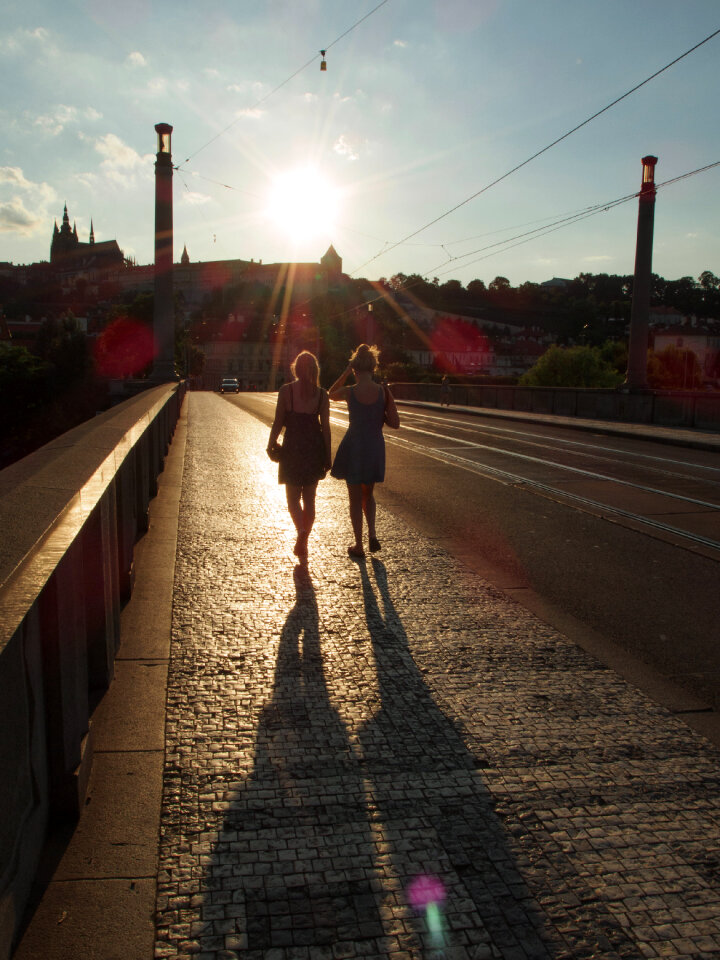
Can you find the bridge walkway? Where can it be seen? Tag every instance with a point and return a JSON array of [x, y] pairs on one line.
[[378, 759]]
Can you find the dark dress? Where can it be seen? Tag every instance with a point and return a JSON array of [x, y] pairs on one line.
[[360, 458], [302, 462]]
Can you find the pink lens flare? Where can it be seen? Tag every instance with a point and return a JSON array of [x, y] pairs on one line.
[[426, 891]]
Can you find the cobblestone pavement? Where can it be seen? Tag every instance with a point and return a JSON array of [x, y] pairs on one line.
[[392, 759]]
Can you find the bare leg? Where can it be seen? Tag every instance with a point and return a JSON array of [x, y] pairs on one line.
[[308, 518], [308, 499], [355, 494], [294, 506], [369, 509]]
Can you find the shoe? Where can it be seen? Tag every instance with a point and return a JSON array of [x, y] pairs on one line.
[[374, 545], [300, 548], [357, 554]]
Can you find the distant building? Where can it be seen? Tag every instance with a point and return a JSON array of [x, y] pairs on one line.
[[74, 259], [71, 260]]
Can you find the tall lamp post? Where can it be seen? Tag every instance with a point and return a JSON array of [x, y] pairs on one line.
[[163, 312], [636, 377]]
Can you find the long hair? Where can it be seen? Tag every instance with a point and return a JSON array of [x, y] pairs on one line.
[[305, 367]]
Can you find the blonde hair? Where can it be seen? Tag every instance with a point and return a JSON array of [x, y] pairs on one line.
[[305, 366], [365, 358]]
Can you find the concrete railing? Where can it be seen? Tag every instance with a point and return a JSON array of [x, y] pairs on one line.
[[694, 409], [70, 514]]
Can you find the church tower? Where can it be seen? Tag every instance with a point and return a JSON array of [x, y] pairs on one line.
[[64, 240], [332, 263]]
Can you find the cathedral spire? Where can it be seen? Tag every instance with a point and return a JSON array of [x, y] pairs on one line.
[[92, 232]]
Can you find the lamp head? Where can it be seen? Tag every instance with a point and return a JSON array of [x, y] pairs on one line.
[[164, 132]]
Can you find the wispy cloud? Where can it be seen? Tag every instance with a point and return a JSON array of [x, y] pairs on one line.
[[598, 258], [253, 90], [55, 122], [121, 163], [158, 85], [194, 198], [253, 113], [136, 59], [16, 218], [400, 43], [15, 176], [20, 40], [348, 146], [24, 214], [62, 116]]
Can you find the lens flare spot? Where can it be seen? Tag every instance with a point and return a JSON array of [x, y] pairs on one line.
[[426, 894], [124, 348], [424, 891]]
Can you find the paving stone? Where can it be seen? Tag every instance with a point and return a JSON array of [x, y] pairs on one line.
[[393, 759]]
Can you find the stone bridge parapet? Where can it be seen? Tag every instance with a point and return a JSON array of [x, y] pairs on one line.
[[70, 515]]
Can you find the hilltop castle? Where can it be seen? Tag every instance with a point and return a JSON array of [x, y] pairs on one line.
[[69, 254], [94, 262]]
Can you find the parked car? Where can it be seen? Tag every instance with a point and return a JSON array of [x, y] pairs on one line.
[[230, 385]]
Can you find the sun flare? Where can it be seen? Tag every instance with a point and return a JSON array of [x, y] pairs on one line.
[[303, 203]]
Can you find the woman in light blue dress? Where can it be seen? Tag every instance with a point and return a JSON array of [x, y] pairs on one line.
[[360, 458]]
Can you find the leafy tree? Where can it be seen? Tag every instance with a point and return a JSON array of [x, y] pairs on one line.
[[477, 292], [24, 386], [571, 367], [615, 353], [674, 368]]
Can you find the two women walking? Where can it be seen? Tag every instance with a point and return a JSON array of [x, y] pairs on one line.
[[303, 409]]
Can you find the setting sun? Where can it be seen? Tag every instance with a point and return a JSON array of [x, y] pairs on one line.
[[303, 203]]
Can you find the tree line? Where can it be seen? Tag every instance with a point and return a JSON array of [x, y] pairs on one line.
[[62, 379]]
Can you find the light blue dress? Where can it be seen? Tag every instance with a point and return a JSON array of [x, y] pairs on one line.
[[360, 458]]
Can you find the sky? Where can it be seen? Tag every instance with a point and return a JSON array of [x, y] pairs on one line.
[[389, 154]]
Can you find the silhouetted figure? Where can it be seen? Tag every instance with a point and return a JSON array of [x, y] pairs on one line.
[[445, 391], [360, 458], [304, 457]]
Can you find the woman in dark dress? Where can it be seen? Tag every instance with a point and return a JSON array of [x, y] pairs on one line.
[[303, 410], [360, 458]]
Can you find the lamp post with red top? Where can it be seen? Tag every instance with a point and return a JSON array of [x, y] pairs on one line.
[[163, 312], [636, 377]]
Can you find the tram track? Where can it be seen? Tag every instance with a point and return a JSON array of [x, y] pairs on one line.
[[590, 505], [432, 442], [622, 569]]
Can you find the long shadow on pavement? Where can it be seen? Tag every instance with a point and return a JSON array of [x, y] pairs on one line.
[[448, 847], [300, 822], [380, 843]]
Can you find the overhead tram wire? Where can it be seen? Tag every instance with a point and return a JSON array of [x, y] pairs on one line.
[[551, 228], [565, 221], [281, 85], [539, 153], [684, 176]]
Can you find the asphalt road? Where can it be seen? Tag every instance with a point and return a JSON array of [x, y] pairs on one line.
[[605, 562]]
